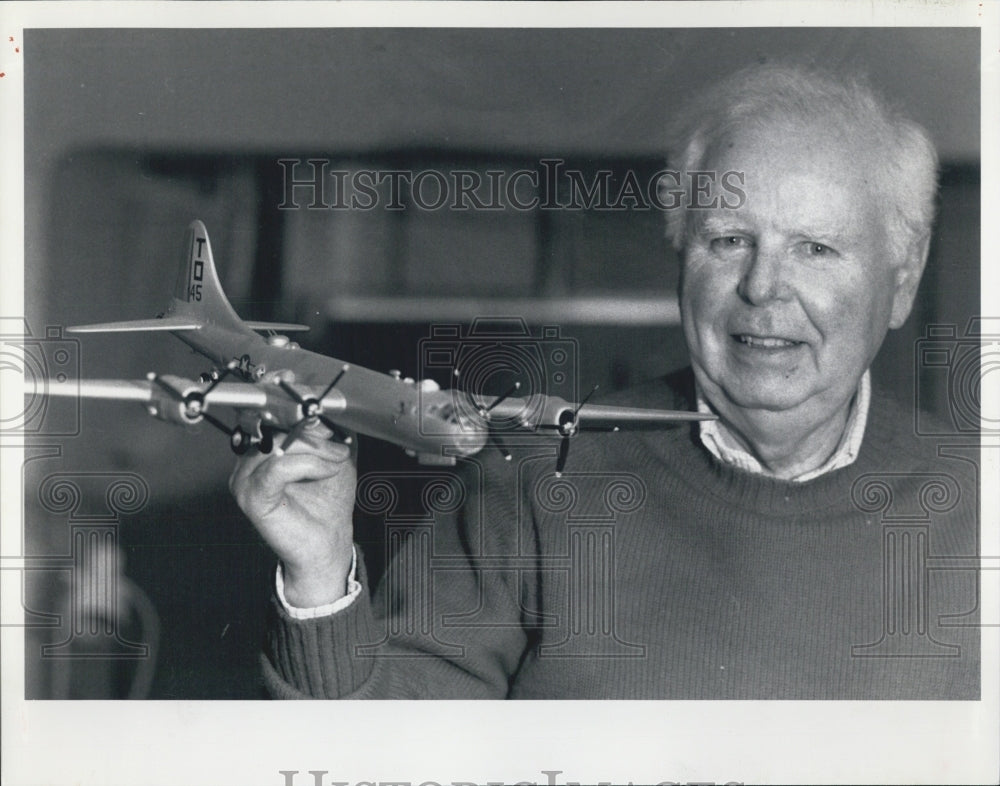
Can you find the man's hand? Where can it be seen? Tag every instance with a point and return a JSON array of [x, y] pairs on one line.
[[301, 503]]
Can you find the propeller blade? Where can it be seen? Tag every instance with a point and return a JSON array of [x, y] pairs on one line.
[[347, 439], [500, 446], [217, 423], [506, 395], [333, 384], [563, 455], [294, 434], [291, 391], [586, 398]]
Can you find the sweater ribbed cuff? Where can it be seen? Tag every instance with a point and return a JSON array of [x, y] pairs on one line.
[[315, 658]]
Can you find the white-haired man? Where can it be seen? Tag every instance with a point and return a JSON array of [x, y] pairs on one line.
[[750, 558]]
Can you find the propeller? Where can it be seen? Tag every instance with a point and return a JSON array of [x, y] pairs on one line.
[[500, 446], [484, 413], [567, 427], [312, 410], [194, 402]]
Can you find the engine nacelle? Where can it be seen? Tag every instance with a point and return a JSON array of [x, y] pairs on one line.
[[171, 410], [452, 429], [183, 403]]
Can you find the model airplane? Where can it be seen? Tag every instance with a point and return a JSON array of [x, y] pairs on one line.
[[277, 388]]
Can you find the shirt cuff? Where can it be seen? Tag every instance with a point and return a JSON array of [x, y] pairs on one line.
[[353, 590]]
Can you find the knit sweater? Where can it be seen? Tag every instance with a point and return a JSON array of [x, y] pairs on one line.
[[652, 570]]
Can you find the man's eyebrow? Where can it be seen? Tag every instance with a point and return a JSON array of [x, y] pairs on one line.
[[713, 223], [826, 231], [726, 222]]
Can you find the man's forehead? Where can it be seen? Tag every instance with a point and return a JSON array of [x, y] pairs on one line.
[[792, 142], [818, 182], [793, 202]]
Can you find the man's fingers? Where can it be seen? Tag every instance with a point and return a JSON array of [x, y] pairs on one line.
[[317, 430], [270, 478], [318, 443], [245, 464], [306, 444]]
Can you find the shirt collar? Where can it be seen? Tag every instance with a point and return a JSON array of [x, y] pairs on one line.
[[721, 443]]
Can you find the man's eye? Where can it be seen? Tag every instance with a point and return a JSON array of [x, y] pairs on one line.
[[818, 250], [730, 243]]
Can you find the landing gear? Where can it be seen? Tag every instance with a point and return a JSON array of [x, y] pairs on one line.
[[266, 444], [213, 376], [239, 441]]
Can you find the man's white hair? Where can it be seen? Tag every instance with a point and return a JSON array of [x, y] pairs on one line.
[[903, 160]]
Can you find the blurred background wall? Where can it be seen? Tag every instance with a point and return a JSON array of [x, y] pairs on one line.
[[130, 134]]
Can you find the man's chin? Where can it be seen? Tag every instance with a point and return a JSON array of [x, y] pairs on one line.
[[764, 389], [764, 394]]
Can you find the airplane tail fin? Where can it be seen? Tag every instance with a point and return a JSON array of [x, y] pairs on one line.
[[198, 292], [198, 298]]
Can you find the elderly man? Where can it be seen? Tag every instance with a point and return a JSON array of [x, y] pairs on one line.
[[748, 557]]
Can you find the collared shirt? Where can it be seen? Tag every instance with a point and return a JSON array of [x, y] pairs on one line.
[[714, 436], [724, 446]]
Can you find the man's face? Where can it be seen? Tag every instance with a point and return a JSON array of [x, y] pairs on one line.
[[786, 299]]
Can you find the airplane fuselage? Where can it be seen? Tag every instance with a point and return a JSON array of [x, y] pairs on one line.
[[415, 415]]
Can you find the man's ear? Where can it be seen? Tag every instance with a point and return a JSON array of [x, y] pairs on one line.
[[908, 272]]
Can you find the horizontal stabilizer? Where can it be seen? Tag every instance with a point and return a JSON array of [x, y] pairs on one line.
[[281, 327], [136, 325]]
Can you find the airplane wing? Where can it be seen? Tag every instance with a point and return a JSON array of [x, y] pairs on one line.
[[226, 394], [555, 412], [564, 419], [116, 389], [597, 417]]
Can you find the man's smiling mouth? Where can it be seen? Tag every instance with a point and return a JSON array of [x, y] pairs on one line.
[[765, 342]]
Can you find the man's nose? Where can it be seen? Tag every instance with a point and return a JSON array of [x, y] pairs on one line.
[[763, 279]]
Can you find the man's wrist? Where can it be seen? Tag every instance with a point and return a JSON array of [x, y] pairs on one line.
[[353, 590], [307, 588]]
